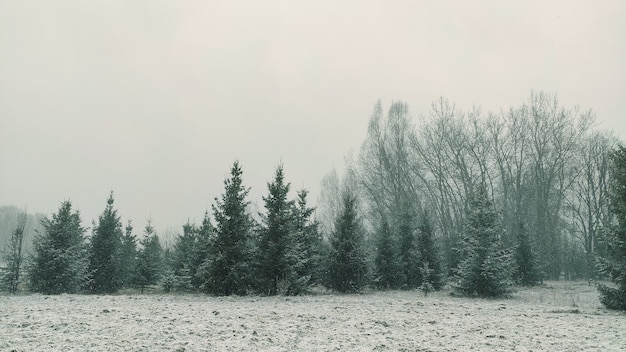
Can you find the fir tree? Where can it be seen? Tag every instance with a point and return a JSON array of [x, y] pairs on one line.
[[128, 257], [104, 254], [60, 261], [14, 256], [229, 266], [347, 265], [387, 264], [485, 268], [276, 246], [409, 253], [184, 259], [203, 249], [189, 257], [614, 264], [526, 271], [429, 256], [308, 243], [150, 259]]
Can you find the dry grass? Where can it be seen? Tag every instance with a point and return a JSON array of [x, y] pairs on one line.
[[573, 294]]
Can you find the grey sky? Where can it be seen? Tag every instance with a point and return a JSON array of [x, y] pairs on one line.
[[156, 99]]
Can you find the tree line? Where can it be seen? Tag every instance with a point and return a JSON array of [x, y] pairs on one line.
[[280, 251], [545, 176], [482, 201], [542, 166]]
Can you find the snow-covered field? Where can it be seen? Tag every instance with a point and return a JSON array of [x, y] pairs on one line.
[[562, 316]]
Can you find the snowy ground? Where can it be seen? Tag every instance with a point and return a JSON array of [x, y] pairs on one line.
[[559, 317]]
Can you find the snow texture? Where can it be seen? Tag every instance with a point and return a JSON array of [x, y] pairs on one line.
[[559, 317]]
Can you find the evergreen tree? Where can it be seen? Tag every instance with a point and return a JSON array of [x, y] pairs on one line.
[[203, 250], [59, 264], [276, 257], [188, 259], [485, 268], [432, 271], [14, 256], [409, 253], [308, 244], [128, 257], [526, 271], [614, 264], [184, 259], [104, 254], [347, 265], [387, 264], [426, 272], [150, 259], [229, 266]]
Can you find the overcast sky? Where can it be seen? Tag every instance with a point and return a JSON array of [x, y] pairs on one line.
[[155, 99]]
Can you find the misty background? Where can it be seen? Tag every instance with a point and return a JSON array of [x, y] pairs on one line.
[[155, 99]]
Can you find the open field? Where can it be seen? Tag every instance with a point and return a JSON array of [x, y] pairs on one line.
[[562, 316]]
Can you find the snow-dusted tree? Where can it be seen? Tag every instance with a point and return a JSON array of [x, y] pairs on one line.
[[387, 265], [202, 252], [449, 148], [431, 268], [589, 199], [555, 135], [59, 263], [182, 266], [229, 266], [614, 264], [526, 267], [485, 269], [104, 251], [14, 256], [149, 259], [384, 167], [347, 262], [328, 203], [308, 244], [276, 252], [408, 251], [128, 257], [188, 255]]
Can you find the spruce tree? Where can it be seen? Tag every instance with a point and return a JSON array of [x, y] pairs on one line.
[[614, 263], [431, 269], [59, 263], [485, 269], [14, 256], [526, 271], [387, 265], [188, 260], [149, 259], [104, 251], [409, 253], [184, 259], [347, 265], [203, 249], [276, 243], [229, 266], [128, 257], [308, 244]]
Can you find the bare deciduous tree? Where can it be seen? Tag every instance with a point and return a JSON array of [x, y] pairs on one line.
[[588, 199]]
